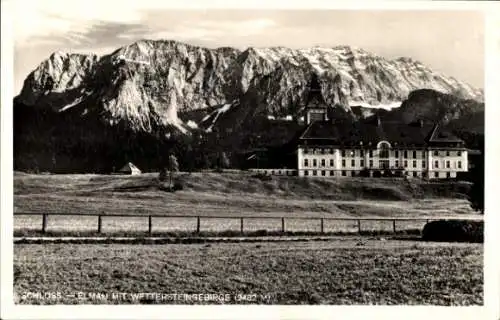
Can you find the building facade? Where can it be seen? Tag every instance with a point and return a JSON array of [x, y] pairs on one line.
[[376, 148]]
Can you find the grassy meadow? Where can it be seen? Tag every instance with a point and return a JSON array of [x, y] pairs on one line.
[[229, 195], [334, 272], [343, 270]]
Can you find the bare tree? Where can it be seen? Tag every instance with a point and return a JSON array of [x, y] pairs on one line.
[[172, 167], [224, 161]]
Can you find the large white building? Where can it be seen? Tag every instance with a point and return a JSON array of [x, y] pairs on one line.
[[346, 148]]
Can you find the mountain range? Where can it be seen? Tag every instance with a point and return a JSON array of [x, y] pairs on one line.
[[164, 89]]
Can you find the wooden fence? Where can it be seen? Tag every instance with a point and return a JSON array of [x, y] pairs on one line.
[[241, 219]]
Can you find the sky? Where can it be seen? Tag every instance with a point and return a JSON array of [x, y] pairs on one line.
[[448, 41]]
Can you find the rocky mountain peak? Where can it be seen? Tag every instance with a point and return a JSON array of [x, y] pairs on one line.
[[146, 84]]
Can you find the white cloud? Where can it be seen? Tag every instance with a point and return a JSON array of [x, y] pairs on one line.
[[37, 21], [58, 18]]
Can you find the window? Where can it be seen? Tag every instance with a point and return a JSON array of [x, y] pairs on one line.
[[332, 173], [331, 162], [343, 174], [447, 153], [361, 163], [415, 174], [352, 173], [396, 153], [448, 175], [315, 162], [323, 162], [343, 153], [405, 154], [306, 172], [436, 153], [371, 163], [423, 164], [459, 164], [353, 163], [323, 173], [447, 164], [414, 154], [436, 175], [459, 153], [414, 163], [361, 153], [384, 150], [436, 164], [306, 151], [396, 163], [315, 173], [405, 163], [306, 162], [343, 163], [370, 153]]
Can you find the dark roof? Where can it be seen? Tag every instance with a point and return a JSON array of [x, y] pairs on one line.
[[315, 98], [439, 135], [473, 152], [351, 132]]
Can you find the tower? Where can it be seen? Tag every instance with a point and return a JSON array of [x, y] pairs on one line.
[[316, 107]]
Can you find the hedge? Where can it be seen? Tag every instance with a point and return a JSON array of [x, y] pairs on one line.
[[454, 231]]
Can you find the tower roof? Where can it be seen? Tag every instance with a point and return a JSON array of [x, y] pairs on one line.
[[315, 98]]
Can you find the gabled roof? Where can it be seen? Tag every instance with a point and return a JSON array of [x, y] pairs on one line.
[[315, 98], [439, 135], [129, 167], [351, 132]]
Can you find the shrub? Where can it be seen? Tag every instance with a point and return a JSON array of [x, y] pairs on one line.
[[178, 186], [364, 173], [388, 174], [262, 177], [454, 231]]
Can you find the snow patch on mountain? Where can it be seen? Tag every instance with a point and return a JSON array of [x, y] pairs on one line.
[[214, 115], [388, 106], [183, 77], [192, 124]]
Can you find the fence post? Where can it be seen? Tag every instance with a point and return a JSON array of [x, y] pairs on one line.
[[241, 225], [198, 224], [150, 224], [44, 223], [322, 226], [394, 225], [359, 226], [99, 223], [283, 225]]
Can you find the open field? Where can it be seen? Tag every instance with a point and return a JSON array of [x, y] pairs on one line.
[[333, 272], [229, 195], [237, 194]]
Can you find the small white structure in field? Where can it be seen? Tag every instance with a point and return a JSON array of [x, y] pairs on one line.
[[130, 169]]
